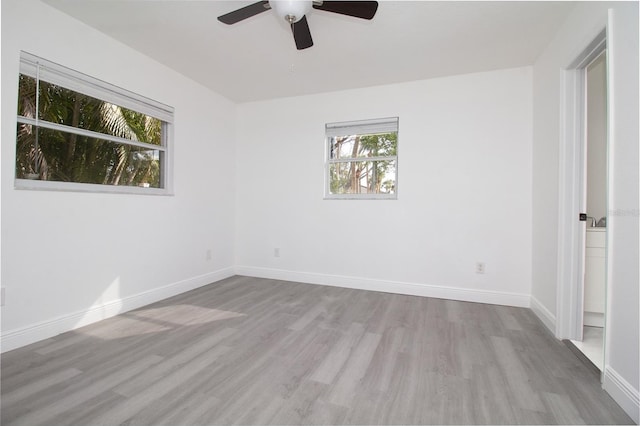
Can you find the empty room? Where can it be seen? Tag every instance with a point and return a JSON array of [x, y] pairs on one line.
[[297, 212]]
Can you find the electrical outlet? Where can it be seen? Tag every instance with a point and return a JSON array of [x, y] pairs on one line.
[[480, 267], [208, 255], [276, 252]]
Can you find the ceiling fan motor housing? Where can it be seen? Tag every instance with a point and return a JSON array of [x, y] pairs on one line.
[[291, 10]]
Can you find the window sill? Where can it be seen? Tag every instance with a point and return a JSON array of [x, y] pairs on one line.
[[358, 197], [39, 185]]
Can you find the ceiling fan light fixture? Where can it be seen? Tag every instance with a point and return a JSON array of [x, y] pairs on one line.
[[294, 13], [291, 10]]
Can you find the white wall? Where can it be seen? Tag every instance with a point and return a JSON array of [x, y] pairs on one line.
[[622, 348], [464, 190], [583, 25], [71, 258]]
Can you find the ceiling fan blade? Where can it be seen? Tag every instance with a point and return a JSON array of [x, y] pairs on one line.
[[302, 34], [244, 12], [358, 9]]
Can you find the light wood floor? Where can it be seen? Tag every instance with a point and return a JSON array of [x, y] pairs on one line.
[[256, 351]]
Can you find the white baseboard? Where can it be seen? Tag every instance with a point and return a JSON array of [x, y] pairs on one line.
[[13, 339], [544, 314], [622, 392], [412, 289]]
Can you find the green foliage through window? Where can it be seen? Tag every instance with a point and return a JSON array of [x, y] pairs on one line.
[[64, 135]]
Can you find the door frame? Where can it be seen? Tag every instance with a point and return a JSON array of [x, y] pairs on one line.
[[572, 191]]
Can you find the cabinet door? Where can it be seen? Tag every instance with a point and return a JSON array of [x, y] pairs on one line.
[[594, 278]]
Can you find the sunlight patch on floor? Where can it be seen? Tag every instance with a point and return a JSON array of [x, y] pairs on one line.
[[122, 326], [185, 314], [155, 320]]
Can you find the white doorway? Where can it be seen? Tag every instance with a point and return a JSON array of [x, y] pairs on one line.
[[583, 195], [594, 146]]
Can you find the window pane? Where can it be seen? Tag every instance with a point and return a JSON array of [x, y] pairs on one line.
[[359, 146], [362, 177], [66, 157], [27, 96], [64, 106]]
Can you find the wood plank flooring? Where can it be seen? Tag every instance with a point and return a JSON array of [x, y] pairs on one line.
[[257, 351]]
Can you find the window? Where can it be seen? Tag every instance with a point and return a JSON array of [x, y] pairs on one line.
[[81, 134], [362, 159]]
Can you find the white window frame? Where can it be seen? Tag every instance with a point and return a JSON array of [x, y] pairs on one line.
[[360, 127], [42, 69]]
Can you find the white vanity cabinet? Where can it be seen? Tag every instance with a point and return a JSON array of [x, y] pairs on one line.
[[594, 277]]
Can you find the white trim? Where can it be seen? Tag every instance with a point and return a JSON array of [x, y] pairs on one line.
[[373, 126], [412, 289], [44, 185], [611, 224], [362, 159], [166, 159], [622, 392], [544, 314], [89, 133], [16, 338], [393, 196]]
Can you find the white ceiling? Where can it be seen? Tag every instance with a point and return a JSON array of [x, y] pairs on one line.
[[257, 59]]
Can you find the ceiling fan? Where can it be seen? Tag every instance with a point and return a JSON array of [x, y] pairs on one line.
[[295, 11]]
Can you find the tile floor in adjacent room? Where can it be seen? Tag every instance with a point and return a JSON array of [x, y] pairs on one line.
[[592, 345]]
